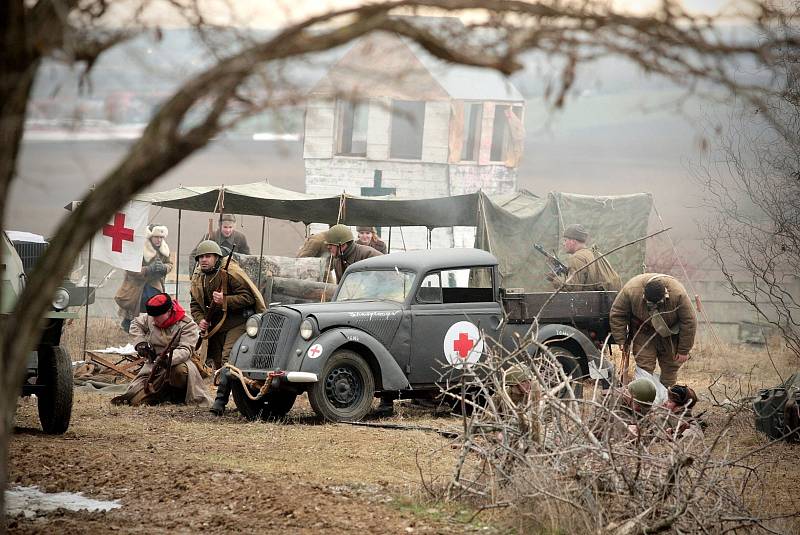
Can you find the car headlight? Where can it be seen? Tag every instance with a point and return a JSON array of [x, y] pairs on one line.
[[252, 325], [306, 329], [60, 299]]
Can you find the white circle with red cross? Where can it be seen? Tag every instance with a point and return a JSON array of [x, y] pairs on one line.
[[463, 344], [314, 351]]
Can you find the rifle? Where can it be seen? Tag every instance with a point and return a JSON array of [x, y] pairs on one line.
[[556, 266], [213, 308], [155, 381]]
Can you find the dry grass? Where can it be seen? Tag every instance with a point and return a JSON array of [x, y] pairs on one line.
[[101, 333]]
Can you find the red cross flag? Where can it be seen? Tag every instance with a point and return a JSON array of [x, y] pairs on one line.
[[120, 242]]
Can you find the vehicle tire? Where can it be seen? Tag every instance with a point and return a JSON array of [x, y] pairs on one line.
[[248, 408], [55, 400], [572, 368], [345, 389], [277, 405]]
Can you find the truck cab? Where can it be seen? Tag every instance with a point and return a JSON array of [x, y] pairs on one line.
[[403, 324]]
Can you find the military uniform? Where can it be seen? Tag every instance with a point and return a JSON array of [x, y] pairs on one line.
[[631, 320], [242, 299], [581, 278], [355, 252], [313, 247], [184, 382]]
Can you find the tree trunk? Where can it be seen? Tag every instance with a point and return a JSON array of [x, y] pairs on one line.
[[299, 290]]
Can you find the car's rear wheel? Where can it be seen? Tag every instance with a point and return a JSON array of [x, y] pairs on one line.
[[569, 362], [55, 399], [345, 389]]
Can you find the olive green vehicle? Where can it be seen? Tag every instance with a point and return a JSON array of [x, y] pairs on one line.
[[49, 370]]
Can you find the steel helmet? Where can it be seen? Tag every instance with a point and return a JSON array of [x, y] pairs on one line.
[[207, 247], [339, 234], [643, 391]]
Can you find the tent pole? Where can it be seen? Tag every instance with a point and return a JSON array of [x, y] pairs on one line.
[[88, 285], [178, 256], [261, 256], [389, 246]]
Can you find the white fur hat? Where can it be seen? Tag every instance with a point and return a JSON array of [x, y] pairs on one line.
[[158, 231]]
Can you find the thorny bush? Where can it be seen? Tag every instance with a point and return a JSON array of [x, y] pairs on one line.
[[575, 464]]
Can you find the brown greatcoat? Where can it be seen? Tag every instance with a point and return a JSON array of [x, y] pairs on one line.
[[377, 244], [242, 298], [587, 279], [355, 252], [237, 238], [314, 246], [629, 317], [129, 295], [144, 329]]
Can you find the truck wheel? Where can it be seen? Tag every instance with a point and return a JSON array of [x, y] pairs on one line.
[[55, 400], [572, 368], [345, 389]]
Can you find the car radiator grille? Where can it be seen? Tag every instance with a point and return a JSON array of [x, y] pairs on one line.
[[268, 339]]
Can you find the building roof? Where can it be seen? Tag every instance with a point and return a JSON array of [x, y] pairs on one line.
[[383, 64]]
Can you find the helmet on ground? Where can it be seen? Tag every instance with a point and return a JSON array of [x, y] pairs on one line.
[[339, 234], [207, 247]]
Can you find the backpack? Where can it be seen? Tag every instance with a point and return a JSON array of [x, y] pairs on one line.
[[612, 282], [778, 410]]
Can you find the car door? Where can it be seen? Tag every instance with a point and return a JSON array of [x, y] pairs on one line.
[[452, 315]]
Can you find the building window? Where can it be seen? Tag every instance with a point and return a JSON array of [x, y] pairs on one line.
[[408, 121], [473, 113], [502, 139], [351, 128]]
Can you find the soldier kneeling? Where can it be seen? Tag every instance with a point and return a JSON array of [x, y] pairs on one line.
[[166, 337]]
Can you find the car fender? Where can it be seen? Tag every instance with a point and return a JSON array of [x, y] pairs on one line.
[[555, 332], [391, 376]]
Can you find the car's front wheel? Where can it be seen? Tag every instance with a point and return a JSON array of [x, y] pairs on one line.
[[345, 389], [273, 405], [55, 400]]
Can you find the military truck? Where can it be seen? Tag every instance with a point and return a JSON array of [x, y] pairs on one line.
[[397, 325], [49, 368]]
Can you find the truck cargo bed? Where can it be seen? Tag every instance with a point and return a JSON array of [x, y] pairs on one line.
[[585, 310]]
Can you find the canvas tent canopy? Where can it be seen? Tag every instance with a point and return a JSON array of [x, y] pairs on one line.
[[507, 225]]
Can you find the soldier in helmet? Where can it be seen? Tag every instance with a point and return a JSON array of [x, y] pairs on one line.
[[230, 294], [653, 317], [226, 237], [585, 274], [342, 247]]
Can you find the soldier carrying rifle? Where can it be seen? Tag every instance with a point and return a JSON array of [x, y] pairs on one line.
[[166, 337], [586, 269], [223, 297]]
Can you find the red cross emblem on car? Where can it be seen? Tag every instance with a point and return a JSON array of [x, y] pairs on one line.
[[314, 351], [463, 344]]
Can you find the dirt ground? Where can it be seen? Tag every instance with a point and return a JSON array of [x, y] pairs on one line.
[[175, 468]]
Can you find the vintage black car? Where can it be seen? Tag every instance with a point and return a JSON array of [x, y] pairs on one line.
[[398, 323]]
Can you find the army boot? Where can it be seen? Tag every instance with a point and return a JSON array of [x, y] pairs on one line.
[[223, 393]]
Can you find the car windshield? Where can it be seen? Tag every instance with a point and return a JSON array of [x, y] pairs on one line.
[[391, 285]]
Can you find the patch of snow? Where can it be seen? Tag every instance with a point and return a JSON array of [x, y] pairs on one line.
[[30, 501], [127, 349]]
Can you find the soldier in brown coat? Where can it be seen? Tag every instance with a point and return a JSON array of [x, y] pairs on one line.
[[139, 286], [166, 322], [653, 317], [580, 277], [237, 299], [344, 250], [314, 246]]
